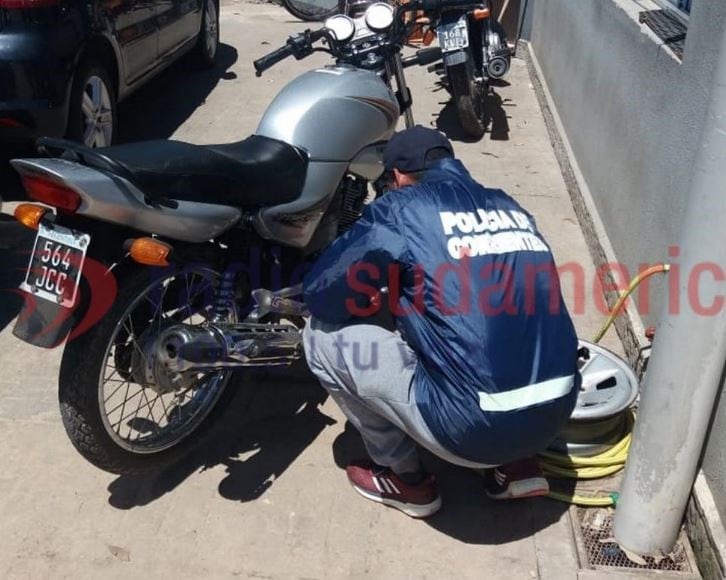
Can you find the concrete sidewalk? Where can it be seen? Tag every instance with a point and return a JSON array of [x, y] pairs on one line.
[[269, 499]]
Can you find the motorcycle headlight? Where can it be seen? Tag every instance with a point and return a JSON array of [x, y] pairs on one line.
[[341, 27], [379, 16]]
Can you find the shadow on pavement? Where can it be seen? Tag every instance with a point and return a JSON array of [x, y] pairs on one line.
[[497, 121], [161, 107], [271, 420], [16, 243], [467, 515]]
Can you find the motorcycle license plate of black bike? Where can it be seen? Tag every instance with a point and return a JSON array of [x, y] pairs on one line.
[[454, 35], [56, 263]]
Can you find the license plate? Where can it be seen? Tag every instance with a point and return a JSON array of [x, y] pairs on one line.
[[454, 35], [55, 265]]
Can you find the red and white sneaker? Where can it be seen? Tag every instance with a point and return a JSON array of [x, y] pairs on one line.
[[382, 485], [516, 480]]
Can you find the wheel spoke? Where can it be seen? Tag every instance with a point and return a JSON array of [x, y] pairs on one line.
[[87, 107], [147, 405], [136, 412], [110, 377], [132, 413], [116, 390], [123, 405], [89, 134], [132, 336], [151, 409], [156, 414], [166, 412], [96, 96]]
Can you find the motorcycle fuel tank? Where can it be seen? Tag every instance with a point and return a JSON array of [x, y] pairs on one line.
[[340, 116], [332, 113]]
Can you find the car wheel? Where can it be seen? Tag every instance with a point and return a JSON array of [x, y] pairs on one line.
[[92, 114], [208, 45]]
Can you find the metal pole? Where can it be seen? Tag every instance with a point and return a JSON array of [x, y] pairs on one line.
[[685, 369]]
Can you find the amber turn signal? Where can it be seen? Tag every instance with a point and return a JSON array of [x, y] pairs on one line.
[[481, 14], [428, 37], [30, 214], [150, 252]]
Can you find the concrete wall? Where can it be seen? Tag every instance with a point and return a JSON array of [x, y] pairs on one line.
[[633, 114]]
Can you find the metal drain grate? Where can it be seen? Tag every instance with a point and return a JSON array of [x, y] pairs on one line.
[[600, 551]]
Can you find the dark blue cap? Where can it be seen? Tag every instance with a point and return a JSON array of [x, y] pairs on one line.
[[407, 150]]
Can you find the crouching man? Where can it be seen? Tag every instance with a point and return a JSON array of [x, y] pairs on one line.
[[482, 370]]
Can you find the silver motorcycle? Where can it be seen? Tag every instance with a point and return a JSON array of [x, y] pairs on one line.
[[168, 266]]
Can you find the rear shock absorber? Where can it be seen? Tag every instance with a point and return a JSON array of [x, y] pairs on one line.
[[224, 294]]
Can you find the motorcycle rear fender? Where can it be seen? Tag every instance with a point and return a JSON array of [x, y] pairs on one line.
[[112, 199], [456, 57], [42, 323], [45, 324]]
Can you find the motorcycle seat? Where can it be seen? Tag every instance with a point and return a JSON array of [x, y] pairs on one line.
[[258, 171]]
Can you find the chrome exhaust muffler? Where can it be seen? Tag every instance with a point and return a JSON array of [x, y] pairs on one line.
[[497, 55], [183, 348]]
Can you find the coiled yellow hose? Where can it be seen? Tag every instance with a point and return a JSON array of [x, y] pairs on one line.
[[609, 462]]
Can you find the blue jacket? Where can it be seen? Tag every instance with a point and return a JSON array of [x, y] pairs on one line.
[[475, 293]]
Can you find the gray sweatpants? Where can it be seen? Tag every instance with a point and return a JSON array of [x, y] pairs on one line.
[[368, 371]]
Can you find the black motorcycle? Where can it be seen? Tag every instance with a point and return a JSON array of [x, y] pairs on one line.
[[473, 43], [475, 51]]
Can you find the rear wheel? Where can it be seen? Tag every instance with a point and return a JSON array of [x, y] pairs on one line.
[[122, 410], [92, 112], [469, 96], [311, 10]]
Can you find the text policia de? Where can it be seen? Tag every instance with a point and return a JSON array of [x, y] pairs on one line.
[[489, 232], [469, 235]]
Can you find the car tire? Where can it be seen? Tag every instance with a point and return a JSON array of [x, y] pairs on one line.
[[208, 43], [92, 109]]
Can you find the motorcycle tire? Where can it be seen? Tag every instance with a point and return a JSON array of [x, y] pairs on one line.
[[468, 98], [80, 389], [308, 12]]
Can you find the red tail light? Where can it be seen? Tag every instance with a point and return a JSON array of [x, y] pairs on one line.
[[15, 4], [51, 193], [4, 122]]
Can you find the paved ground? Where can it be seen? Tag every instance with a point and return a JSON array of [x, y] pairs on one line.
[[268, 499]]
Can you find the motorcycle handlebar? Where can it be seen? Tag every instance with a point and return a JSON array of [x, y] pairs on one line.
[[298, 45], [270, 60]]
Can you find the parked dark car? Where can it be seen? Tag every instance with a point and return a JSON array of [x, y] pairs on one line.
[[65, 64]]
